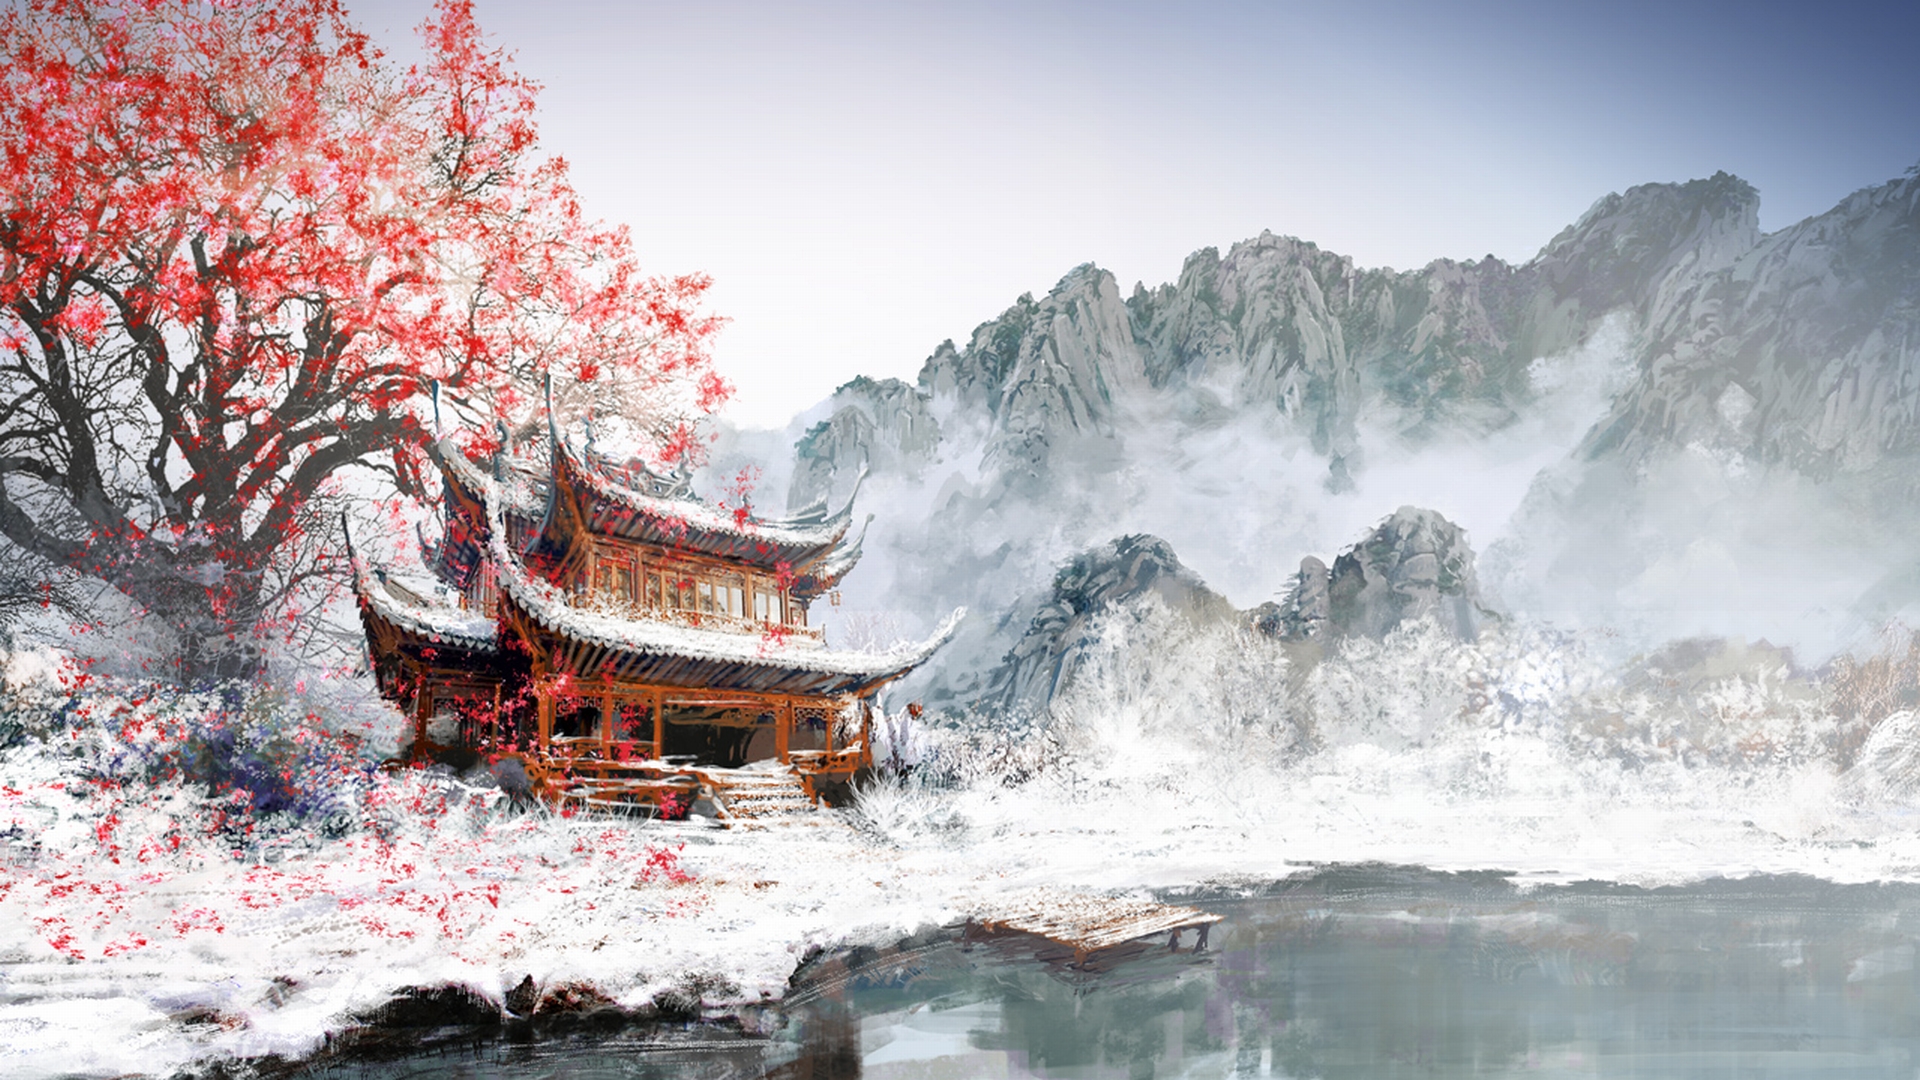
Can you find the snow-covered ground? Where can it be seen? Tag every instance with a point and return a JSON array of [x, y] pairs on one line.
[[145, 925]]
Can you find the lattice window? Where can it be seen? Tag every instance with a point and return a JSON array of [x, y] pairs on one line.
[[613, 576]]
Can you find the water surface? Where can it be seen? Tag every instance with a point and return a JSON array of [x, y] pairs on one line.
[[1356, 972]]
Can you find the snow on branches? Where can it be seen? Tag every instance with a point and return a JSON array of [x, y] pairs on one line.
[[237, 248]]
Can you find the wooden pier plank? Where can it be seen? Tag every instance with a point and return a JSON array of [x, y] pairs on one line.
[[1084, 922]]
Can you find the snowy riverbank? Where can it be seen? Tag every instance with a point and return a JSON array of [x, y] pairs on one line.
[[146, 925]]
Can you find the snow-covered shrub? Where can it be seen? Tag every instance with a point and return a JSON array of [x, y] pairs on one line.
[[1887, 765], [896, 808], [1864, 691], [1001, 749], [1397, 693], [1154, 683], [1709, 701], [251, 747]]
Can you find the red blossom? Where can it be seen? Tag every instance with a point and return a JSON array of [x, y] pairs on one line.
[[236, 249]]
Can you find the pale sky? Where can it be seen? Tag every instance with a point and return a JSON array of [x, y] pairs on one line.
[[864, 180]]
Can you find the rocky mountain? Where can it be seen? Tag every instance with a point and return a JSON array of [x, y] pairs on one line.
[[1701, 407], [1121, 571], [1801, 348], [1414, 564], [1277, 324]]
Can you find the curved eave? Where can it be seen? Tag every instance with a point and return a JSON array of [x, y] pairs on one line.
[[609, 509], [462, 475], [810, 582], [809, 585], [436, 627], [662, 654], [470, 482], [658, 653]]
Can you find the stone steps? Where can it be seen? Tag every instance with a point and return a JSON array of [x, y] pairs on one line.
[[757, 796]]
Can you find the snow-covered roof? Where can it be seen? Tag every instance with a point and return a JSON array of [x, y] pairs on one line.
[[827, 572], [439, 623], [773, 662], [627, 510], [630, 503], [523, 489]]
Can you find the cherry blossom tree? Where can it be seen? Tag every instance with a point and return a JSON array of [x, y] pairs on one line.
[[238, 248]]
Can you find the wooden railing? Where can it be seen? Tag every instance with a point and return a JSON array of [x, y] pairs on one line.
[[575, 776], [814, 766], [701, 619]]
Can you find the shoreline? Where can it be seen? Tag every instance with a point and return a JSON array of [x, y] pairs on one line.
[[434, 1023], [143, 901]]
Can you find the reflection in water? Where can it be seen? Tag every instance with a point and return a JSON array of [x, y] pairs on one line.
[[1352, 973]]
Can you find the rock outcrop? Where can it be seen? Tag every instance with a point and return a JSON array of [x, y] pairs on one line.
[[1415, 563], [882, 425], [1302, 616], [1279, 327], [1802, 349], [1130, 568]]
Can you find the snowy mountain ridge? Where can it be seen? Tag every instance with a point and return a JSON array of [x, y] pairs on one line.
[[1641, 425], [1278, 323]]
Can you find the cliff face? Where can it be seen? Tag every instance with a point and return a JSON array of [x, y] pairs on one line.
[[1414, 564], [1043, 660], [1281, 328], [1800, 349], [884, 425]]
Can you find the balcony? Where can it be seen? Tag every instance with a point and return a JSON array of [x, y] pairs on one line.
[[705, 620]]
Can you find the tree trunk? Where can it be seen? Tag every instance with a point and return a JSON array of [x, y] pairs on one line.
[[213, 614]]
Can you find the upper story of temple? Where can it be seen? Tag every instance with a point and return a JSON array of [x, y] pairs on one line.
[[623, 540]]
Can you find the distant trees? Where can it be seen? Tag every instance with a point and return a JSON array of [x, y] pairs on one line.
[[236, 248]]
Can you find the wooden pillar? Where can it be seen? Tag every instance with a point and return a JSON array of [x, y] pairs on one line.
[[493, 720], [783, 729], [659, 725], [422, 712], [606, 725], [866, 732], [543, 692]]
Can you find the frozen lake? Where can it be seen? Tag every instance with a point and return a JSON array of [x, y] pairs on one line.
[[1355, 972]]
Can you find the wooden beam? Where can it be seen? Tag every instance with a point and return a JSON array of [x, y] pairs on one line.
[[606, 723], [422, 710], [866, 733], [783, 729], [493, 721]]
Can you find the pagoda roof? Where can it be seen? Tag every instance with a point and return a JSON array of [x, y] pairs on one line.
[[523, 491], [633, 503], [660, 652], [614, 503], [441, 624], [818, 577]]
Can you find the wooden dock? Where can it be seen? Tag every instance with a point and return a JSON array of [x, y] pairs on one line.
[[1088, 924]]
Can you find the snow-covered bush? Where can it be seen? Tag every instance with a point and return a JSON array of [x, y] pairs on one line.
[[251, 747], [1709, 701], [895, 807], [1397, 693], [1864, 691], [1004, 749], [1153, 684]]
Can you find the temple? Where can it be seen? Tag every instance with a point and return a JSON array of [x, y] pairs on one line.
[[621, 637]]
